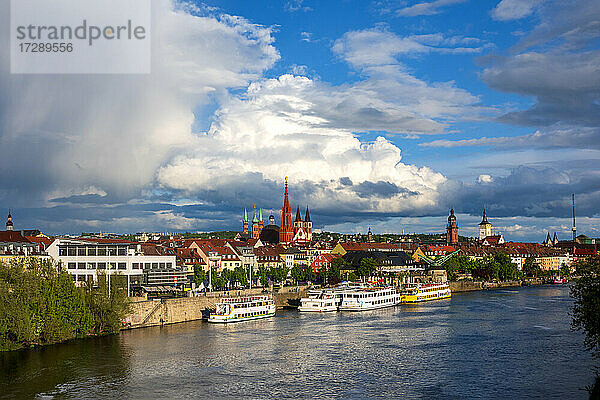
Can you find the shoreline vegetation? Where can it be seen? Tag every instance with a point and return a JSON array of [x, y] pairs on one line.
[[40, 305]]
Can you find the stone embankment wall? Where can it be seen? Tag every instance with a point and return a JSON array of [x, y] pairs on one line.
[[469, 286], [146, 313]]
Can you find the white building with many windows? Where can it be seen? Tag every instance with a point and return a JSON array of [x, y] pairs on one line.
[[140, 264]]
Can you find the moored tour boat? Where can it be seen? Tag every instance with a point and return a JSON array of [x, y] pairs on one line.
[[324, 300], [238, 309], [419, 292], [369, 298]]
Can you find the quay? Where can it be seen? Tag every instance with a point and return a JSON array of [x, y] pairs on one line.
[[145, 313]]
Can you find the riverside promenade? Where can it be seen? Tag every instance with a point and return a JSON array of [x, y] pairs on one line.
[[146, 313]]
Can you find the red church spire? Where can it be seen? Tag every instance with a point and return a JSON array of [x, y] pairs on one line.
[[286, 234]]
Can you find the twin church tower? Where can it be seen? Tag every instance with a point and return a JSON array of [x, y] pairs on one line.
[[298, 233]]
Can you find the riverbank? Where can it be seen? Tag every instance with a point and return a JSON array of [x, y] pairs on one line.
[[470, 286], [146, 313]]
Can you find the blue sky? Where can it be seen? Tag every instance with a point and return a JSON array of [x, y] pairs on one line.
[[383, 113]]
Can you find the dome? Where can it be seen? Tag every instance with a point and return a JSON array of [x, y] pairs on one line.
[[270, 234]]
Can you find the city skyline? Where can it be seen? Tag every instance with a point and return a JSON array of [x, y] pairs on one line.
[[386, 116]]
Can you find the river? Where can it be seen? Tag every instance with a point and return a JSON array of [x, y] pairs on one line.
[[512, 343]]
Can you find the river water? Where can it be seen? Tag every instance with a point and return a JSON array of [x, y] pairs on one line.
[[508, 344]]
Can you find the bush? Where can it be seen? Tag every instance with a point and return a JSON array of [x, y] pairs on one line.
[[40, 304]]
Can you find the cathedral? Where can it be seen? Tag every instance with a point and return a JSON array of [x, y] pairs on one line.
[[300, 233]]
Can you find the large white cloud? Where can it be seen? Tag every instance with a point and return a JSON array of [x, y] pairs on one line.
[[60, 133]]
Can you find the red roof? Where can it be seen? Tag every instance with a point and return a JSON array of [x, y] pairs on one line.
[[584, 252], [13, 237], [41, 239]]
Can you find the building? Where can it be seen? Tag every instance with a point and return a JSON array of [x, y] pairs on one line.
[[9, 223], [323, 260], [485, 228], [452, 229], [286, 234], [141, 264]]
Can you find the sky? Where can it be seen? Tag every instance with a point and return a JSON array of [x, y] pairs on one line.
[[382, 113]]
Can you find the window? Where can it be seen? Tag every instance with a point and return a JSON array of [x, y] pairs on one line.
[[135, 266], [154, 265], [101, 251], [62, 251], [91, 266], [122, 266], [80, 265], [112, 251], [91, 251], [112, 265], [147, 266], [169, 265], [101, 265], [71, 265], [71, 251], [162, 265], [122, 251], [81, 251]]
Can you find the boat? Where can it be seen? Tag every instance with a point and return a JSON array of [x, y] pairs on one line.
[[420, 292], [369, 298], [324, 300], [559, 281], [236, 309]]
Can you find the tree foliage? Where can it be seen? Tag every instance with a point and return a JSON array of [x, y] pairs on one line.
[[586, 309], [40, 304], [531, 267], [199, 274], [303, 273], [367, 267]]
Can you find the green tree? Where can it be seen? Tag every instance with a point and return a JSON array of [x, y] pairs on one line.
[[278, 274], [531, 267], [263, 275], [352, 277], [367, 267], [240, 276], [565, 271], [199, 274], [586, 308], [297, 273]]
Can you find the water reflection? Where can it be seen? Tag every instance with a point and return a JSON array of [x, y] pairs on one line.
[[496, 344], [73, 369]]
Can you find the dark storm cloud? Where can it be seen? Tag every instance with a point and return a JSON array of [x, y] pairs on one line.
[[558, 64], [380, 189], [533, 192], [548, 138]]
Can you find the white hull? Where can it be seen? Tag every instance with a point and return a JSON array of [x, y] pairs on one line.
[[220, 319], [317, 310], [369, 299], [367, 307]]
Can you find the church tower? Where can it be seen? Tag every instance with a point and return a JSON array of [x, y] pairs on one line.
[[485, 228], [452, 229], [308, 225], [9, 223], [255, 230], [370, 236], [260, 220], [286, 235], [298, 223], [245, 222]]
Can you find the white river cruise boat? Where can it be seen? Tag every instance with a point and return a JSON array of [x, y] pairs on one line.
[[238, 309], [369, 298], [419, 292], [324, 300]]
